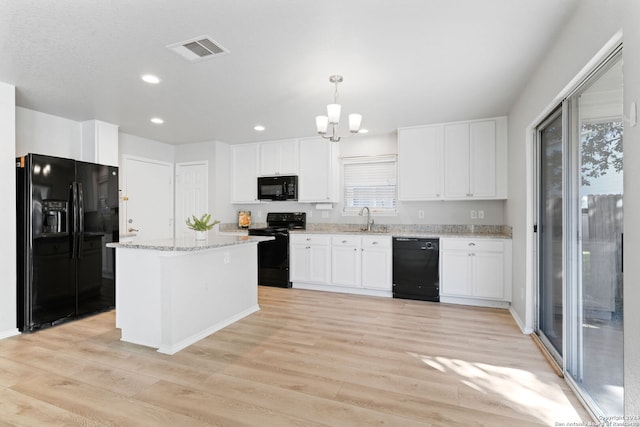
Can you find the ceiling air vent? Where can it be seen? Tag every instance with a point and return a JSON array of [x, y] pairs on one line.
[[198, 48]]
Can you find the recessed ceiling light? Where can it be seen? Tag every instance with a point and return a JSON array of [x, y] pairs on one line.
[[259, 128], [157, 120], [150, 78]]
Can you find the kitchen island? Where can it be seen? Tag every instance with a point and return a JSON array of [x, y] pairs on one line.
[[172, 293]]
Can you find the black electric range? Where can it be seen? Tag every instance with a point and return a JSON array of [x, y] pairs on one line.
[[273, 255]]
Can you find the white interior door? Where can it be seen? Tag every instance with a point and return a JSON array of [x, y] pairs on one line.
[[191, 193], [149, 198]]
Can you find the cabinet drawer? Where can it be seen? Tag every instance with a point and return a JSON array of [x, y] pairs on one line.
[[307, 239], [492, 245], [376, 241], [346, 240]]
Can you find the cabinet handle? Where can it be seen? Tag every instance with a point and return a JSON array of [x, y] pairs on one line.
[[344, 241], [308, 247], [374, 243], [355, 249], [308, 239], [472, 244]]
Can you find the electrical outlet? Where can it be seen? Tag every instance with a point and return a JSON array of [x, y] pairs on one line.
[[474, 214], [421, 214], [480, 214], [227, 258]]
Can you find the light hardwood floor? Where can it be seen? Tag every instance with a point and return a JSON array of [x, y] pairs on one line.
[[306, 359]]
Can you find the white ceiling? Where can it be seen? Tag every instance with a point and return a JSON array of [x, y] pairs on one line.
[[404, 62]]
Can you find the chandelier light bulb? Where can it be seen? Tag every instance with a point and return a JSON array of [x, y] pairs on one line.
[[333, 112], [322, 122], [354, 122]]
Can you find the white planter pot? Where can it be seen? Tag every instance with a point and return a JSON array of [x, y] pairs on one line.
[[201, 235]]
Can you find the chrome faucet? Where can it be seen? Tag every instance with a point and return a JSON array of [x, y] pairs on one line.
[[369, 220]]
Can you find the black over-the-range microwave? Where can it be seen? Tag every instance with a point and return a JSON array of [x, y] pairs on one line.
[[278, 187]]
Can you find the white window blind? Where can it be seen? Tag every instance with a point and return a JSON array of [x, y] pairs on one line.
[[370, 182]]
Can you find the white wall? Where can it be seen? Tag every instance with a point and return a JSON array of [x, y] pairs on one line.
[[42, 133], [131, 145], [631, 211], [8, 223], [593, 25]]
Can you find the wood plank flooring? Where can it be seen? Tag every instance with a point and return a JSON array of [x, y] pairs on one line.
[[305, 359]]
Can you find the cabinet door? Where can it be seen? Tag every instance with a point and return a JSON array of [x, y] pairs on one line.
[[420, 163], [288, 157], [244, 168], [376, 269], [316, 171], [456, 273], [456, 161], [482, 158], [319, 263], [488, 277], [279, 157], [269, 158], [299, 263], [345, 265]]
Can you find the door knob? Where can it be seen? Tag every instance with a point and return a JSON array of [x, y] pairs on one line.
[[130, 230]]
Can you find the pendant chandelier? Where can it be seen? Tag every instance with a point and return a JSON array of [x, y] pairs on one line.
[[333, 116]]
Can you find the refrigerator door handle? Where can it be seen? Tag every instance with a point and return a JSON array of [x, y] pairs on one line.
[[74, 229], [80, 219]]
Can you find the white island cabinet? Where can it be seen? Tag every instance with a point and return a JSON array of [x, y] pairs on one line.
[[172, 293]]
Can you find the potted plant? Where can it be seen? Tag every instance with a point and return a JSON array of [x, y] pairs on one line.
[[201, 225]]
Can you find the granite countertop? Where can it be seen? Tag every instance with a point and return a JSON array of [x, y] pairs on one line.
[[414, 230], [402, 230], [190, 244]]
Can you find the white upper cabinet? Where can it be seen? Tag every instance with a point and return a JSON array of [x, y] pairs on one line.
[[279, 157], [244, 173], [456, 161], [453, 161], [470, 152], [100, 142], [317, 176], [420, 163]]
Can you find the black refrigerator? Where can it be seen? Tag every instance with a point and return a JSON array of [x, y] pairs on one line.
[[67, 211]]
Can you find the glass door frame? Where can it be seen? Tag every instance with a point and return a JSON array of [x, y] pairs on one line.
[[560, 110]]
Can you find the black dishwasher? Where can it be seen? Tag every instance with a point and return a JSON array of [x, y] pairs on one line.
[[416, 268]]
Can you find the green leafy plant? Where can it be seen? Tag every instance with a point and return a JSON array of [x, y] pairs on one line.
[[202, 223]]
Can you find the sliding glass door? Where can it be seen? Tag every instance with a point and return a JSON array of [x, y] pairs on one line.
[[580, 240], [595, 321]]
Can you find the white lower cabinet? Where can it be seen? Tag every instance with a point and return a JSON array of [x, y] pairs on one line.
[[346, 261], [377, 263], [476, 269], [357, 264], [310, 258], [361, 262]]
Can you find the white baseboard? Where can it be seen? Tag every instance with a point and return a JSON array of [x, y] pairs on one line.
[[9, 333], [520, 323]]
